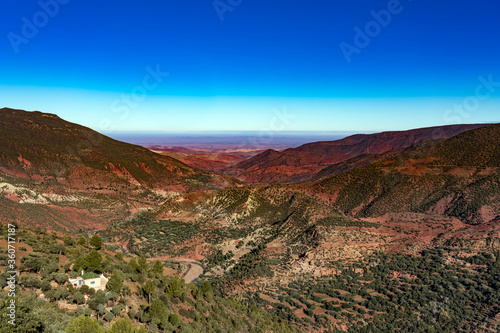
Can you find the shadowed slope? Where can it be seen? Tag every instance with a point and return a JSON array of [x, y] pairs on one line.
[[62, 175], [39, 146]]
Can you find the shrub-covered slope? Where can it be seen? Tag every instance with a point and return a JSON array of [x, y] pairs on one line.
[[457, 177], [299, 164], [42, 147]]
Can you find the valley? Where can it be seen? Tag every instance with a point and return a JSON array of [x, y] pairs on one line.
[[379, 232]]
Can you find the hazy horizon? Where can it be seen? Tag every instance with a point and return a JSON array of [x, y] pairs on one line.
[[218, 138]]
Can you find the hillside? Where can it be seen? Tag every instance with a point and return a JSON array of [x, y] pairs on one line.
[[300, 164], [457, 177], [446, 189], [141, 296], [407, 239], [42, 147], [47, 161], [376, 248]]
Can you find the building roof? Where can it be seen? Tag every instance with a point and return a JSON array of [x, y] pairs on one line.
[[90, 275]]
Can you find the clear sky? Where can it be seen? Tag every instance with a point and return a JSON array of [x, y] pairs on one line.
[[312, 65]]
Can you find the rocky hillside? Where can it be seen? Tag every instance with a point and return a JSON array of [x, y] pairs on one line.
[[70, 170], [457, 177], [446, 189], [390, 241], [344, 252]]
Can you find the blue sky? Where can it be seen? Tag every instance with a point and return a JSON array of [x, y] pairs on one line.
[[239, 64]]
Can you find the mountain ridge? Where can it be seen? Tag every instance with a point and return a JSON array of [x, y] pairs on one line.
[[44, 144], [47, 161], [294, 165], [457, 177]]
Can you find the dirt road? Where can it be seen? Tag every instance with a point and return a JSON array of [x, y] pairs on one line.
[[193, 271]]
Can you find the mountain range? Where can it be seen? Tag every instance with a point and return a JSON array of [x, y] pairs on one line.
[[50, 162], [312, 160], [369, 233], [46, 160]]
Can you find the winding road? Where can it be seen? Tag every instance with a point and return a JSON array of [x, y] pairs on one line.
[[194, 268]]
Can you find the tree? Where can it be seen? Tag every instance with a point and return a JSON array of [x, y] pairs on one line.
[[59, 249], [115, 282], [27, 318], [82, 241], [93, 261], [149, 288], [45, 286], [112, 296], [50, 268], [100, 311], [158, 312], [143, 264], [57, 293], [126, 326], [96, 242], [30, 281], [69, 241], [78, 297], [175, 319], [174, 288], [33, 264], [87, 290], [70, 286], [134, 265], [109, 316], [206, 290], [83, 325], [99, 298], [157, 268], [61, 278], [118, 309], [79, 264]]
